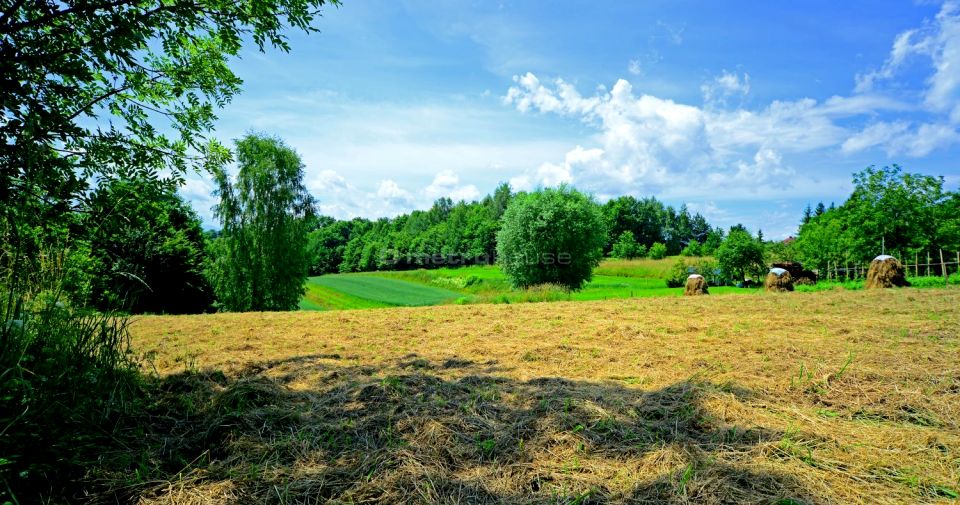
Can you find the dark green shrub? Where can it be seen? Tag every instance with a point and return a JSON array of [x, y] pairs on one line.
[[658, 251], [678, 273], [694, 248], [552, 236], [66, 377]]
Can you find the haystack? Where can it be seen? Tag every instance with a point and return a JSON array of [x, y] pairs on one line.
[[797, 272], [778, 280], [885, 272], [696, 285]]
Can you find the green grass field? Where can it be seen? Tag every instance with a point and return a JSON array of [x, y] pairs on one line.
[[613, 279], [364, 291], [485, 284]]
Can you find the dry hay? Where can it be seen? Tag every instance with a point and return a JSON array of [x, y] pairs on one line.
[[732, 399], [806, 278], [696, 285], [885, 272], [778, 280], [797, 272]]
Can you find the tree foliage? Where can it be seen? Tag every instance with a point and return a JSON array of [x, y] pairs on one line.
[[447, 234], [158, 71], [260, 260], [147, 249], [740, 254], [551, 236], [650, 221], [889, 211], [658, 251], [626, 247]]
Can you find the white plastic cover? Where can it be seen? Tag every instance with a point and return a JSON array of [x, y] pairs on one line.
[[883, 257], [778, 271], [694, 276]]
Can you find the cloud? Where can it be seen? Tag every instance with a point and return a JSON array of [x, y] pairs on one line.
[[447, 184], [796, 126], [900, 137], [646, 144], [903, 47], [767, 169], [672, 32], [877, 134], [938, 41], [640, 137], [725, 85]]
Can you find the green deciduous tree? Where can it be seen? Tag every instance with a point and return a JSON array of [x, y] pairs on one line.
[[739, 255], [825, 239], [626, 246], [261, 258], [888, 211], [147, 249], [551, 236], [893, 210], [156, 70], [694, 248]]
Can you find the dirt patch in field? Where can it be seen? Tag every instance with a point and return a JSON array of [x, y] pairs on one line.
[[843, 397]]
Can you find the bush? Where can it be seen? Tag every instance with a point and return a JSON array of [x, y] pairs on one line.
[[67, 378], [658, 251], [552, 236], [694, 248], [678, 273]]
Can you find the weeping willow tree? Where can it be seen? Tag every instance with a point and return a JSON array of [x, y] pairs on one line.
[[261, 258]]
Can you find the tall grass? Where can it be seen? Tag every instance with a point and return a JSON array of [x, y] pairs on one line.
[[916, 282], [646, 268], [66, 378]]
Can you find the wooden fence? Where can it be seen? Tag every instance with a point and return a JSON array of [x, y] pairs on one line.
[[943, 265]]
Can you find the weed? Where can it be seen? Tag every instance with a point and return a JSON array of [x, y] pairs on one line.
[[685, 478]]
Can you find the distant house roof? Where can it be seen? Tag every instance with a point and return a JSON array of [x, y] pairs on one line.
[[789, 240]]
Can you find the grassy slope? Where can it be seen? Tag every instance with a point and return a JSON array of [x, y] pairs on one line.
[[318, 297], [831, 397], [613, 279], [377, 290]]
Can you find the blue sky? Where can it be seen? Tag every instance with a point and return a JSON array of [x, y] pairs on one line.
[[744, 111]]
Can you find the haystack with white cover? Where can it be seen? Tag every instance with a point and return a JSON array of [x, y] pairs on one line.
[[778, 280], [885, 272], [696, 286]]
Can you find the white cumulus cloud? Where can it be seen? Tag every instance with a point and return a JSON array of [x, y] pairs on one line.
[[725, 85], [447, 184]]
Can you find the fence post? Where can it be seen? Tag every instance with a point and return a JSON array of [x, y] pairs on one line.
[[916, 264], [943, 266]]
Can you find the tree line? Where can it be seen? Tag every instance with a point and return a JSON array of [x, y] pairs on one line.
[[465, 233], [140, 244], [889, 211]]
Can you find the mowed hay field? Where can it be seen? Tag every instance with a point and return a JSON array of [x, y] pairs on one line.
[[831, 397]]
